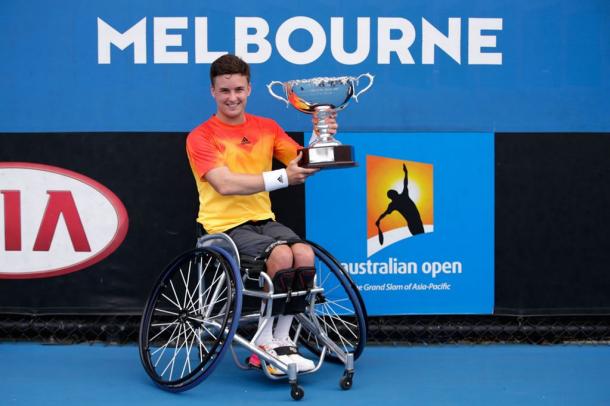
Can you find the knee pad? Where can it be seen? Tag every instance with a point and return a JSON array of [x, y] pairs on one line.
[[303, 280], [283, 280], [282, 283]]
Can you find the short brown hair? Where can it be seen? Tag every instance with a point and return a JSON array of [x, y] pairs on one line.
[[229, 65]]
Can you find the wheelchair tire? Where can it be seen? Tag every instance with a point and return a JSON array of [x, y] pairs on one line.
[[341, 313], [337, 264], [190, 318]]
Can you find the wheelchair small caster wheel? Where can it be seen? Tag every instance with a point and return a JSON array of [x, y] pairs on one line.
[[296, 392], [346, 381]]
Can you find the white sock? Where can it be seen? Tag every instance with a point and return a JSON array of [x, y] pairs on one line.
[[282, 330], [266, 335]]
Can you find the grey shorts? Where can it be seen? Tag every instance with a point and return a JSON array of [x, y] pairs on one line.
[[256, 239]]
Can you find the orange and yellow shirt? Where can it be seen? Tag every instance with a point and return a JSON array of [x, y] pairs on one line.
[[245, 148]]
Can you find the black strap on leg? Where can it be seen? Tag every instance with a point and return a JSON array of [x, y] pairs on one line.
[[285, 281], [303, 281], [304, 277], [282, 283]]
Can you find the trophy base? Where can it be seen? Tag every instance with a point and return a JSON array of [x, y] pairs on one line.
[[330, 157]]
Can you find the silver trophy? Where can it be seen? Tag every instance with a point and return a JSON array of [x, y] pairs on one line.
[[321, 95]]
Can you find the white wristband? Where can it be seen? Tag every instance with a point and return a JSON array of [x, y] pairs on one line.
[[275, 179]]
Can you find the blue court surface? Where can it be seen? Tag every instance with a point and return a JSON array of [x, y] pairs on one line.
[[37, 374]]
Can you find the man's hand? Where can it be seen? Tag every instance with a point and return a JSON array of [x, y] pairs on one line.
[[296, 174], [330, 120]]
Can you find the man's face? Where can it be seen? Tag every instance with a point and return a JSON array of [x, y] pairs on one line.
[[231, 94]]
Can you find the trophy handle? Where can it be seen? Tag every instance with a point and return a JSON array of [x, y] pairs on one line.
[[371, 78], [270, 88]]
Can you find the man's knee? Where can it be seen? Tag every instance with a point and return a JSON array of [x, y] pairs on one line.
[[303, 255], [281, 257]]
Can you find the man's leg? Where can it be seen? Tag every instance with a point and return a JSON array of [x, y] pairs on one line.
[[252, 243], [303, 256], [274, 237]]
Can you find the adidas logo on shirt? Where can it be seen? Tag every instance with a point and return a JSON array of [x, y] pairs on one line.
[[245, 141]]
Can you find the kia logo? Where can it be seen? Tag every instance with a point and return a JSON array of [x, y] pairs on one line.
[[54, 221]]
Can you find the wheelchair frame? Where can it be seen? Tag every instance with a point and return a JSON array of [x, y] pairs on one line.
[[200, 324]]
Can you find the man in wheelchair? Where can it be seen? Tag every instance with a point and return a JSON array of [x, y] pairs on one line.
[[231, 158]]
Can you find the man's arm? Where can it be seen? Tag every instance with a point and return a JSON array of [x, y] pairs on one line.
[[226, 182]]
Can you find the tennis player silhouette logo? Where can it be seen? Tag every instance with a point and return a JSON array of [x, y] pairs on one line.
[[400, 201]]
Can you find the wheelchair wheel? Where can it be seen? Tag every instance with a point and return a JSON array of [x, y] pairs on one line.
[[190, 318], [340, 312]]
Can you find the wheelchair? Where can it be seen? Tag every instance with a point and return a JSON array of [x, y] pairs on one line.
[[206, 301]]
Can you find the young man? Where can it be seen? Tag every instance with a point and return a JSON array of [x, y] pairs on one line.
[[231, 156]]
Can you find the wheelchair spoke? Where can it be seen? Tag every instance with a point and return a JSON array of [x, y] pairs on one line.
[[163, 324], [208, 321], [202, 346], [188, 353], [177, 351], [343, 322], [170, 300], [192, 304], [168, 325], [333, 313], [215, 279], [334, 328], [172, 360], [188, 297], [197, 288], [335, 303], [164, 347], [207, 305], [186, 283], [171, 283], [183, 352], [201, 343], [167, 312], [209, 332], [328, 275], [329, 291]]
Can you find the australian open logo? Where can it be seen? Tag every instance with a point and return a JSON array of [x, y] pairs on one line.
[[400, 201]]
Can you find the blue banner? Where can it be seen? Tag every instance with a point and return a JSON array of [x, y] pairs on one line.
[[413, 223], [142, 65]]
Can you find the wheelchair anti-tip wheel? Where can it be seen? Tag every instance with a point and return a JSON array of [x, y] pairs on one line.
[[190, 318], [340, 312]]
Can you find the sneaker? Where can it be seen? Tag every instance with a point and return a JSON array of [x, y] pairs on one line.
[[271, 349], [254, 361], [287, 346]]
